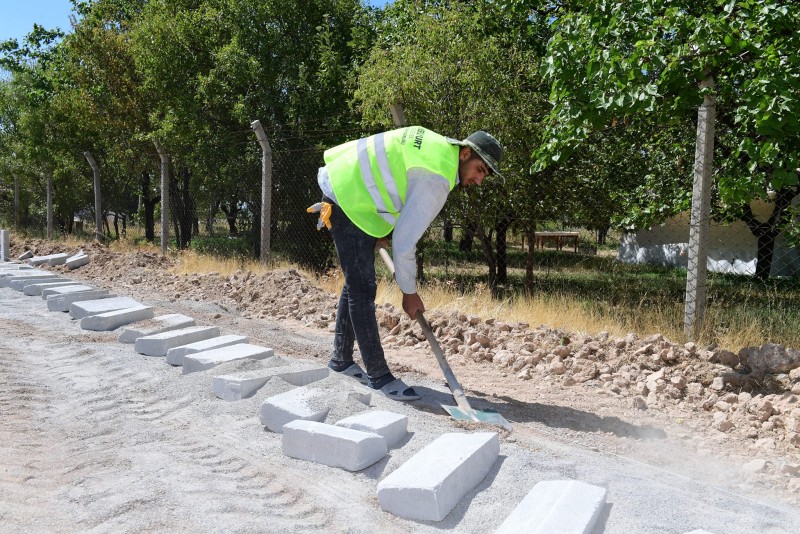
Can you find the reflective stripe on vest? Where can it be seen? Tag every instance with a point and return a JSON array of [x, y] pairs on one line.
[[386, 177], [369, 176]]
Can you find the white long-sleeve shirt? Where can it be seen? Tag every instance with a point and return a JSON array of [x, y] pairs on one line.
[[425, 196]]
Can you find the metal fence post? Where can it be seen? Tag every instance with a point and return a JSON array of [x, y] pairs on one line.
[[162, 154], [98, 213], [697, 269], [5, 245], [49, 207], [266, 189]]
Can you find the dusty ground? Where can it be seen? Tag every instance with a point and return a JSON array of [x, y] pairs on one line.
[[685, 418]]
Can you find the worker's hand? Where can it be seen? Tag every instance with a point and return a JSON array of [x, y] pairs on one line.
[[412, 304], [382, 242]]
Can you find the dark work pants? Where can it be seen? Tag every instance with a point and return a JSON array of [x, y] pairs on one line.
[[355, 317]]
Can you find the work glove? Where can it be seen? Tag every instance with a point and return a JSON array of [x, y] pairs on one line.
[[325, 209]]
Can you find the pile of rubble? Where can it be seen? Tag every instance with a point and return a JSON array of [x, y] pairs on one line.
[[753, 393]]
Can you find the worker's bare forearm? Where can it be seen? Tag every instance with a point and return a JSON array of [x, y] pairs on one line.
[[412, 304]]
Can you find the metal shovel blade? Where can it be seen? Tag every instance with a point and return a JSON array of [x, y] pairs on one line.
[[478, 416]]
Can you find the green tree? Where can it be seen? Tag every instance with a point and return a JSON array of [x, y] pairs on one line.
[[608, 60], [458, 67], [214, 66]]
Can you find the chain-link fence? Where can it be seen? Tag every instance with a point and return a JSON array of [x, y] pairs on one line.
[[490, 238]]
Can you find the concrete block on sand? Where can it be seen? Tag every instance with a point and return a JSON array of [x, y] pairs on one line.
[[13, 276], [302, 403], [11, 270], [175, 356], [41, 260], [159, 344], [208, 359], [58, 259], [25, 255], [157, 325], [78, 260], [36, 289], [19, 269], [6, 277], [63, 302], [567, 506], [21, 272], [393, 427], [64, 290], [331, 445], [244, 385], [19, 284], [103, 322], [430, 484], [37, 260], [8, 267], [79, 310]]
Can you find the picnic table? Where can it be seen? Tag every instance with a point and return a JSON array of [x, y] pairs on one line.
[[559, 239]]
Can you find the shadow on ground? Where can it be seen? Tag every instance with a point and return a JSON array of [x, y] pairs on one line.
[[550, 415]]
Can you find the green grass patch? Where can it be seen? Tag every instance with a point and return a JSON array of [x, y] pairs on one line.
[[223, 247], [640, 298]]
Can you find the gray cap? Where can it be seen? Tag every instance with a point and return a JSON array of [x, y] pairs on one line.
[[487, 147]]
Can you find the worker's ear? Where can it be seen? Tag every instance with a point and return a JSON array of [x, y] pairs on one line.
[[465, 153]]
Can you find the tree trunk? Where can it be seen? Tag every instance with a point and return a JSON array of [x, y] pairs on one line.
[[174, 203], [183, 212], [211, 216], [448, 231], [116, 225], [149, 202], [465, 243], [766, 249], [530, 232], [231, 213], [491, 261], [602, 234], [179, 209], [104, 217], [767, 232], [501, 245], [188, 219]]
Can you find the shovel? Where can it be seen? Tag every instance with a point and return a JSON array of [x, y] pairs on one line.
[[462, 412]]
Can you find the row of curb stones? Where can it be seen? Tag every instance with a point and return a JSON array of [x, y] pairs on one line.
[[426, 487]]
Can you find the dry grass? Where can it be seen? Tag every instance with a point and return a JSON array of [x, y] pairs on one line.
[[744, 334], [72, 242], [567, 313], [562, 311], [129, 245], [556, 312], [190, 262]]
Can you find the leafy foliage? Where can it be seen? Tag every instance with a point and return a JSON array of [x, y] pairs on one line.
[[595, 103], [609, 60]]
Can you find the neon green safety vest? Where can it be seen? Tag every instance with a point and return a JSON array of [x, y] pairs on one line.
[[369, 176]]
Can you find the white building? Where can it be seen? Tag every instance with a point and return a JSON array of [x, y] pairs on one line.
[[731, 249]]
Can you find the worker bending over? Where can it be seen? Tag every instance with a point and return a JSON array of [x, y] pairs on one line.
[[393, 182]]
